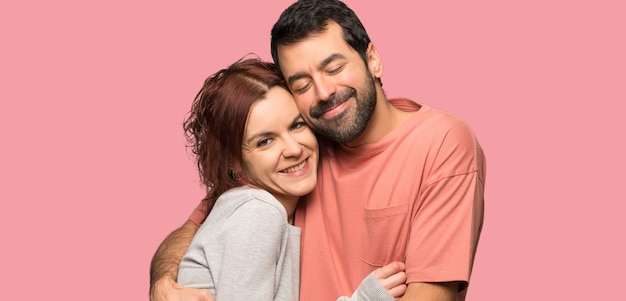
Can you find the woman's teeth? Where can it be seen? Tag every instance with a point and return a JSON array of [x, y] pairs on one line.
[[295, 168]]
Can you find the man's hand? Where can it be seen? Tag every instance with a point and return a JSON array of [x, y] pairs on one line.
[[393, 278], [164, 268], [166, 289]]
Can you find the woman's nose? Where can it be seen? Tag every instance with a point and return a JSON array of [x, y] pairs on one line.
[[292, 148]]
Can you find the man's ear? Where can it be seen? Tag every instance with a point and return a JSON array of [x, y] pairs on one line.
[[374, 61]]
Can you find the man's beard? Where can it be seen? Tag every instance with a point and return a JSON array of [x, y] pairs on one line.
[[344, 128]]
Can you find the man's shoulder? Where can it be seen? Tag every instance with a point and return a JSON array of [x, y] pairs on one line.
[[435, 119], [434, 126]]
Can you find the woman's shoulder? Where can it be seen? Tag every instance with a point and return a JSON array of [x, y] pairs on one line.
[[244, 194], [250, 198]]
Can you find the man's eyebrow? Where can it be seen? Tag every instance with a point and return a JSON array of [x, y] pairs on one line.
[[330, 59], [296, 77], [333, 57]]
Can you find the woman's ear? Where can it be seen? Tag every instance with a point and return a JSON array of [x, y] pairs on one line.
[[232, 174], [234, 170]]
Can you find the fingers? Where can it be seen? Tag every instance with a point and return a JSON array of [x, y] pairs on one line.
[[397, 291], [393, 278], [198, 295], [395, 284], [168, 290], [390, 269]]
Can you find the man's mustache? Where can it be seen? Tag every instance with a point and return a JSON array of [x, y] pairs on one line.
[[334, 100]]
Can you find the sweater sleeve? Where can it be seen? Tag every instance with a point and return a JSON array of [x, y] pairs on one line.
[[252, 240]]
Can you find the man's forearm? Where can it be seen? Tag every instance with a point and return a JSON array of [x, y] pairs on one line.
[[167, 257], [443, 291]]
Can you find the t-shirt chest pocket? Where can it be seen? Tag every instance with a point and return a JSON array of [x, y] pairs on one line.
[[385, 234]]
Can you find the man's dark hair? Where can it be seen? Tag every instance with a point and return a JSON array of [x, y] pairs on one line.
[[307, 17]]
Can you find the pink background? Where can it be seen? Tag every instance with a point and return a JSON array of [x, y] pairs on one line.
[[94, 172]]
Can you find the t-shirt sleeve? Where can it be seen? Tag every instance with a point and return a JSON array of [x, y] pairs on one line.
[[252, 240], [449, 219], [199, 214]]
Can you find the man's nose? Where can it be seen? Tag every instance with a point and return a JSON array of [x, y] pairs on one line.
[[325, 89]]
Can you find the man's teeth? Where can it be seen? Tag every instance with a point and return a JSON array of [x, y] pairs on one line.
[[295, 168]]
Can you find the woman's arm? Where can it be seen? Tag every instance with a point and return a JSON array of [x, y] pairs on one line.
[[252, 250], [384, 284]]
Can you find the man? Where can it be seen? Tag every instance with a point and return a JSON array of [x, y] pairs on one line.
[[400, 182]]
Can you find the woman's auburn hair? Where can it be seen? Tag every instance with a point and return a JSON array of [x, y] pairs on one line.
[[215, 125]]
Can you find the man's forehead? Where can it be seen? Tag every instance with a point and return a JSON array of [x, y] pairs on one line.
[[313, 52]]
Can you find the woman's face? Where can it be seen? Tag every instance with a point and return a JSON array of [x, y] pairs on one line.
[[280, 152]]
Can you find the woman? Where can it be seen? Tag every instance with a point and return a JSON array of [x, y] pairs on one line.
[[257, 157]]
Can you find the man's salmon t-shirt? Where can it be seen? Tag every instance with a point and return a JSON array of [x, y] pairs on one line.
[[414, 196]]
